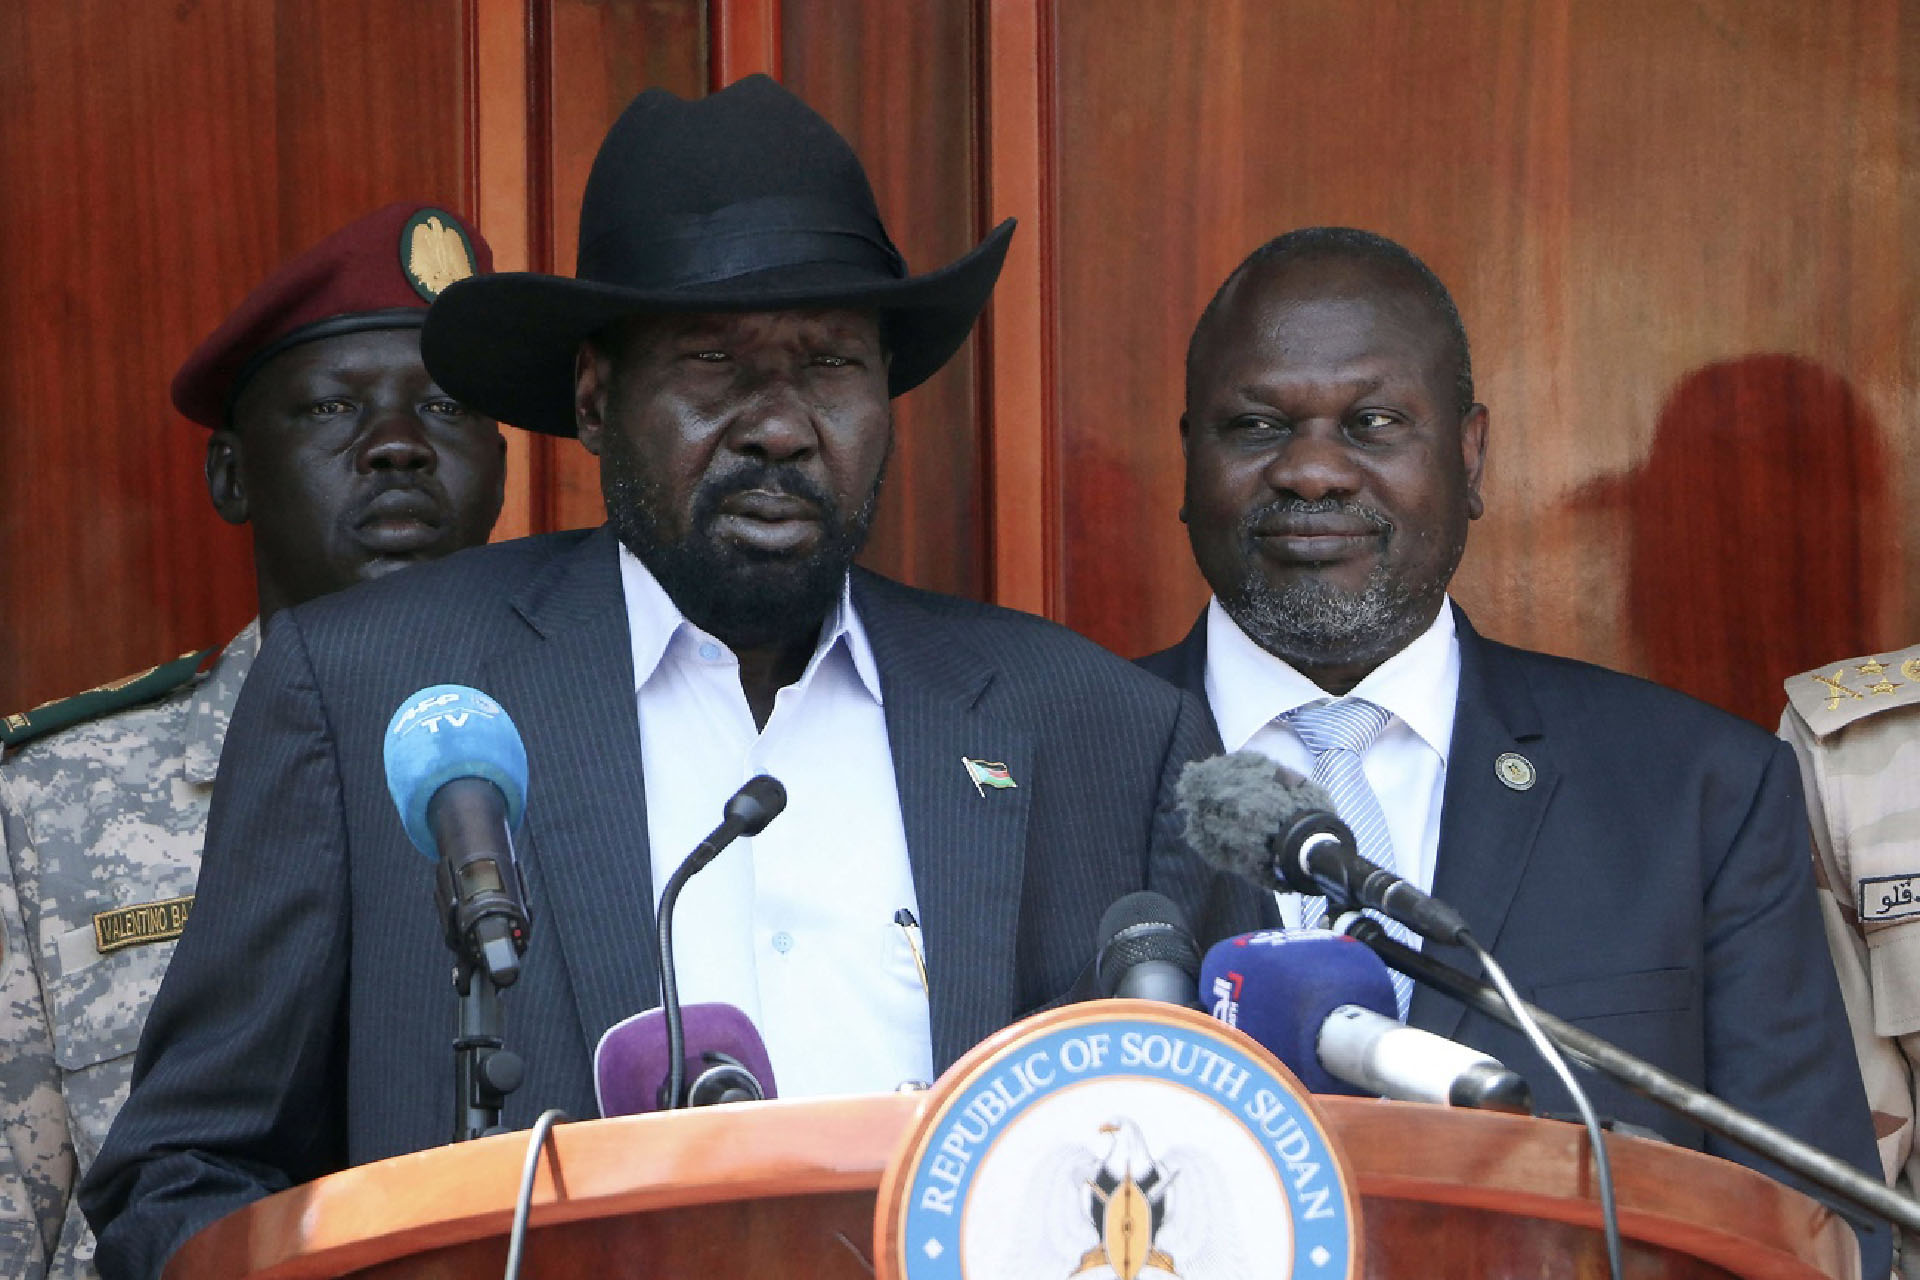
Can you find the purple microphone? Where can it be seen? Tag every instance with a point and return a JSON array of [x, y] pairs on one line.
[[725, 1061]]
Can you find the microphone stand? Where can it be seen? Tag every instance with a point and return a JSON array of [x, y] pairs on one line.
[[675, 1083], [746, 813], [485, 1071], [1825, 1171]]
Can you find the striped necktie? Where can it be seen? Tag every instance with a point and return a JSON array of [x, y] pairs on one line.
[[1338, 733]]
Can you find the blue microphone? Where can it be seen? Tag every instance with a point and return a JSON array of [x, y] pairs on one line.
[[1281, 985], [457, 771], [1326, 1010]]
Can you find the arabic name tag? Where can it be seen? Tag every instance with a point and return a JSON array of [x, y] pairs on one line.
[[1889, 897]]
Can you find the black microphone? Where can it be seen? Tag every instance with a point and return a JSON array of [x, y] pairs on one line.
[[1147, 952], [1248, 816], [747, 813]]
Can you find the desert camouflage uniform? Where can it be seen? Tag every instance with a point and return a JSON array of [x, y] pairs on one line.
[[1855, 726], [107, 814]]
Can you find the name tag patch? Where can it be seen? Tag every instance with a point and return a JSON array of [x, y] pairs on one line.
[[138, 925], [1889, 897]]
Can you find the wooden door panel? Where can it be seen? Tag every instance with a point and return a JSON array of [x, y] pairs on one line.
[[155, 162]]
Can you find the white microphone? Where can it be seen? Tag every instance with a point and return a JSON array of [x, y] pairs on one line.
[[1387, 1057]]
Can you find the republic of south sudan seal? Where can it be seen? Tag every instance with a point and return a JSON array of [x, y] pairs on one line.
[[1117, 1140]]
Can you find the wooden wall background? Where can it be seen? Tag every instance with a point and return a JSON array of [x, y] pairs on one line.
[[1683, 239], [155, 162]]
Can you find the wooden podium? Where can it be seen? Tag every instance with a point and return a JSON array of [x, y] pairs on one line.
[[788, 1189]]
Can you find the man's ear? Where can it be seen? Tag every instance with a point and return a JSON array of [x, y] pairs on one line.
[[592, 380], [224, 483], [1473, 455]]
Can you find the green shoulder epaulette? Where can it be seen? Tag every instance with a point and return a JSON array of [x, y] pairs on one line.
[[63, 713], [1834, 696]]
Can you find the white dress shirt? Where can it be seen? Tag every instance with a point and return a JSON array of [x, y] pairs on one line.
[[1249, 690], [795, 926]]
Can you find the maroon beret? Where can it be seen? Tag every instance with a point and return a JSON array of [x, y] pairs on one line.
[[378, 272]]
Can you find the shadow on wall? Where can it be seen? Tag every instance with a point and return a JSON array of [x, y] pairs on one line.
[[1758, 531]]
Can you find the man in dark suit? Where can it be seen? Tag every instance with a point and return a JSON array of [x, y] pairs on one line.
[[1635, 859], [739, 322]]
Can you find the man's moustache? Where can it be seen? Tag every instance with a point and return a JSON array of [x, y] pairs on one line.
[[765, 479], [1275, 515]]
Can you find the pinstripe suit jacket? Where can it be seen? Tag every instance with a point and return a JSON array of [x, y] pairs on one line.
[[1652, 884], [306, 1020]]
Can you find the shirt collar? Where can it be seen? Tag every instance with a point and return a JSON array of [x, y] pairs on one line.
[[654, 620], [1420, 684]]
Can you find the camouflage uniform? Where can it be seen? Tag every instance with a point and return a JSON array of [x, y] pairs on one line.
[[100, 820], [1855, 726]]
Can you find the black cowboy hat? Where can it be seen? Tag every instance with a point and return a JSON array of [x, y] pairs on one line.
[[745, 200]]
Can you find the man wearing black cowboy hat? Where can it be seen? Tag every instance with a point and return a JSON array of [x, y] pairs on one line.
[[979, 779]]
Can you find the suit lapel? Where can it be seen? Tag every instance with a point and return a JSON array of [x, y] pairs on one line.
[[569, 684], [1487, 827], [966, 843], [1190, 655]]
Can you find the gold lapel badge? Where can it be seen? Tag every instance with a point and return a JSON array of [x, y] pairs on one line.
[[1515, 770]]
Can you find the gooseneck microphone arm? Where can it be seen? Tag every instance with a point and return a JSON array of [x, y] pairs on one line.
[[1823, 1170], [747, 813]]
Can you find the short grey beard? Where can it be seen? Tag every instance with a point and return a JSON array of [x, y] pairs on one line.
[[1313, 624]]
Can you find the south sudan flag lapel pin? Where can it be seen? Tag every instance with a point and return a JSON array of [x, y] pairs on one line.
[[986, 773]]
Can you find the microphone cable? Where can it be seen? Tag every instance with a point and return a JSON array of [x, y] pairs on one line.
[[1602, 1165], [523, 1203], [1356, 923]]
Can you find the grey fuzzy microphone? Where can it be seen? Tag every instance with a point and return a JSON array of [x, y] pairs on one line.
[[1248, 816], [1234, 805]]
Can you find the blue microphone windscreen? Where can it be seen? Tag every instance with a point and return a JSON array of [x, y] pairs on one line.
[[449, 731], [630, 1062], [1278, 986]]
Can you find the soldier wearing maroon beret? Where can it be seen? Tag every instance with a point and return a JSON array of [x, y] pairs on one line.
[[332, 444]]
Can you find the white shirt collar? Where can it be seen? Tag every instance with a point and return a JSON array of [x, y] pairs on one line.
[[654, 622], [1419, 685]]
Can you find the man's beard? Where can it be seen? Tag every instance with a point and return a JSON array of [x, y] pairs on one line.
[[1310, 622], [745, 597]]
